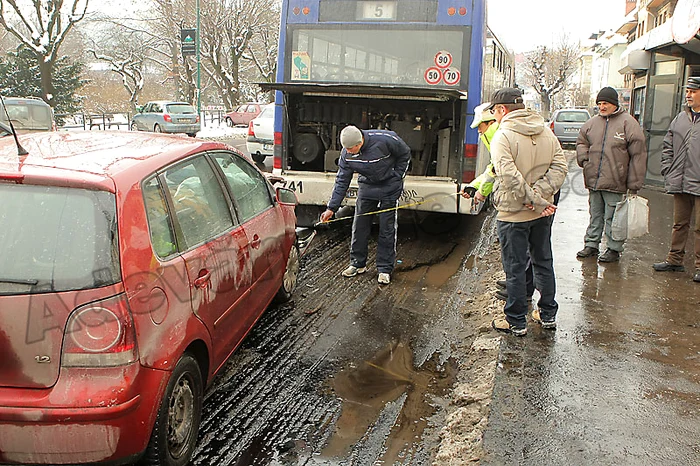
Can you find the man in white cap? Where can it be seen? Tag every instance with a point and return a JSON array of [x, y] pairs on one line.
[[381, 159], [486, 124]]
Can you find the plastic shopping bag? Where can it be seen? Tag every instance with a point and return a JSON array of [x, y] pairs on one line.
[[637, 217], [618, 230], [631, 218]]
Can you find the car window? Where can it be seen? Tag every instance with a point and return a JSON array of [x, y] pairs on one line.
[[268, 112], [29, 115], [156, 108], [201, 208], [162, 237], [252, 109], [572, 117], [180, 108], [248, 187], [147, 108], [57, 239]]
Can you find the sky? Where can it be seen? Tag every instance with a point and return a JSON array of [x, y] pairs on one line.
[[523, 25]]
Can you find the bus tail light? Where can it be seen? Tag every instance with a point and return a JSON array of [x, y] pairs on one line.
[[468, 176], [277, 159], [100, 334], [470, 151]]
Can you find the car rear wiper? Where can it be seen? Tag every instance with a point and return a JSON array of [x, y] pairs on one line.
[[19, 281]]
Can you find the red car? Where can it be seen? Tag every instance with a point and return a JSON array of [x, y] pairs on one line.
[[132, 266], [243, 114]]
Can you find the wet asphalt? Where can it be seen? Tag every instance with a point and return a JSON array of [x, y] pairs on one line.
[[618, 383]]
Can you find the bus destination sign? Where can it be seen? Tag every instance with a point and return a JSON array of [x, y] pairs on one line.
[[376, 11]]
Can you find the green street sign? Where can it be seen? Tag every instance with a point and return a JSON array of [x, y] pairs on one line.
[[188, 41]]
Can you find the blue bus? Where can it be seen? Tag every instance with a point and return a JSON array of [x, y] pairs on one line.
[[417, 67]]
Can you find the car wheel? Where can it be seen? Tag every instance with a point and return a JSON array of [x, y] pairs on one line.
[[229, 122], [258, 157], [192, 135], [291, 274], [134, 127], [157, 128], [175, 432]]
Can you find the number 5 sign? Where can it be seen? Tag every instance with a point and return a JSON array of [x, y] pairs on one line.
[[443, 59]]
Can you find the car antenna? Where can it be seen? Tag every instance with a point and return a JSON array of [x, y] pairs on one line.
[[20, 150]]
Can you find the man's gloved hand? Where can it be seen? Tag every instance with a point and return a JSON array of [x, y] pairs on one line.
[[468, 191]]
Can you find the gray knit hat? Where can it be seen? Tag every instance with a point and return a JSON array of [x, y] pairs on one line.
[[350, 136]]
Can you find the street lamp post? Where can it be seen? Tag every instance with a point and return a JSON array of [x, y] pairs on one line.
[[199, 82]]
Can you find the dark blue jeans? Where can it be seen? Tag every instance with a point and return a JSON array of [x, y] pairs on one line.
[[517, 240], [362, 227]]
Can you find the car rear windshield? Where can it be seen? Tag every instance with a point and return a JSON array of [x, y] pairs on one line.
[[573, 117], [29, 116], [180, 108], [56, 239]]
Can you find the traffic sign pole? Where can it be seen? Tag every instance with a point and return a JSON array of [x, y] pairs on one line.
[[199, 81]]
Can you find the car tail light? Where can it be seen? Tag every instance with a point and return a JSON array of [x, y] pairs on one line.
[[197, 119], [100, 334], [167, 118], [250, 129], [551, 125]]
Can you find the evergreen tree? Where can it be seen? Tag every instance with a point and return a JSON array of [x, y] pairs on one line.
[[19, 77]]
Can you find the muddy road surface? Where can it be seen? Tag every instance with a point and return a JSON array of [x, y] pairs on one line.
[[350, 372]]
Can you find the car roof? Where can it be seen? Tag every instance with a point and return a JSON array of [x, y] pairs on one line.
[[94, 159], [27, 100], [167, 102]]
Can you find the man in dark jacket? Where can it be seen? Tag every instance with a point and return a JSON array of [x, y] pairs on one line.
[[611, 148], [381, 159], [680, 166]]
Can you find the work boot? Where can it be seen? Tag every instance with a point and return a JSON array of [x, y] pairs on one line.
[[352, 271], [502, 325], [502, 295], [384, 279], [546, 324], [696, 277], [587, 252], [501, 283], [666, 266], [609, 256]]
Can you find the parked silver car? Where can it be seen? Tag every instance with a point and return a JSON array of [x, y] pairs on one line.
[[567, 122], [167, 117]]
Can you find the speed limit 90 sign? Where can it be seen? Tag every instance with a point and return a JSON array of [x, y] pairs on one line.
[[443, 59]]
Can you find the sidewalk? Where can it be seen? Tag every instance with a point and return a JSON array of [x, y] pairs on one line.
[[618, 383]]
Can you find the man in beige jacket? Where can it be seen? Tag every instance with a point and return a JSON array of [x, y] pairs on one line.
[[530, 168]]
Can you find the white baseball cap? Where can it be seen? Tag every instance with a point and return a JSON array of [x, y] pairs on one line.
[[482, 114]]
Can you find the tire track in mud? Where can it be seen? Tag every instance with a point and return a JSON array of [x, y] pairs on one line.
[[273, 404]]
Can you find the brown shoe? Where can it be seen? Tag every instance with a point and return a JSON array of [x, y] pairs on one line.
[[502, 325]]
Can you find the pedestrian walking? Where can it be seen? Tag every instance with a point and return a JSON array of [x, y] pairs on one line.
[[530, 168], [611, 149], [381, 159], [680, 166]]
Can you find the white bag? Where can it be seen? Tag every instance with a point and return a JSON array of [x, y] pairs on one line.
[[637, 217], [631, 218]]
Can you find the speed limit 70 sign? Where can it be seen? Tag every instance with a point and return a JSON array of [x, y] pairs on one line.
[[451, 76]]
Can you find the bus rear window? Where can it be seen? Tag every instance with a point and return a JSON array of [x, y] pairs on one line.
[[372, 55], [56, 239]]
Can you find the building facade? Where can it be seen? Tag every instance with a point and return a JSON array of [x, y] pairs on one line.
[[662, 51]]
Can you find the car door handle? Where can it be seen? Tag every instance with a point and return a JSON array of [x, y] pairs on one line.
[[203, 280], [256, 242]]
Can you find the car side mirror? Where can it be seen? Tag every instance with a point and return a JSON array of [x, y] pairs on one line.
[[286, 196]]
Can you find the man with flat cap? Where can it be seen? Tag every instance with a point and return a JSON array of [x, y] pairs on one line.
[[381, 159], [611, 149], [530, 168], [680, 166]]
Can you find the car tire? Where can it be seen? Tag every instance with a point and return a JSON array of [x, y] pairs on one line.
[[258, 157], [175, 432], [157, 128], [229, 122], [134, 127], [291, 276], [192, 135]]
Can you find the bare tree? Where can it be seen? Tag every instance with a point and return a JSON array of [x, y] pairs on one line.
[[549, 69], [42, 26]]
